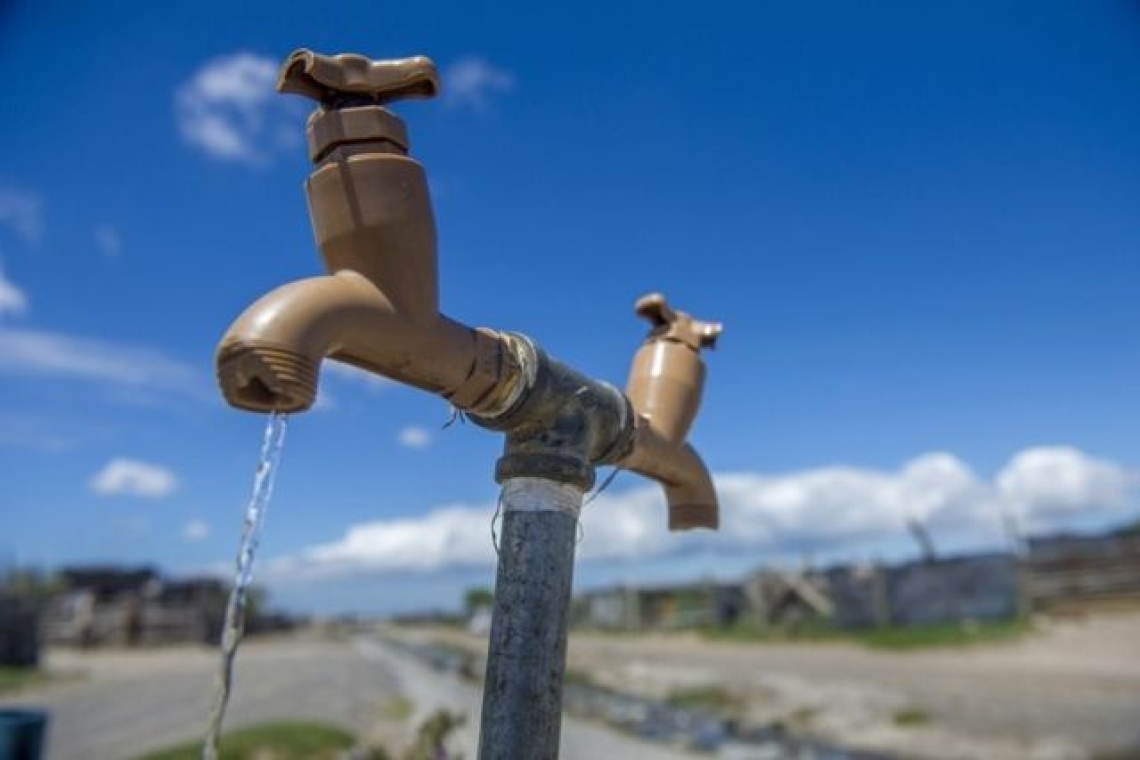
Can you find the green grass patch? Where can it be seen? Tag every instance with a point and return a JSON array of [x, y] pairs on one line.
[[893, 638], [286, 740], [943, 635], [12, 678], [911, 716], [714, 698], [398, 708], [579, 677]]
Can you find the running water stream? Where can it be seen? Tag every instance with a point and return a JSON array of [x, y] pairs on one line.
[[271, 446]]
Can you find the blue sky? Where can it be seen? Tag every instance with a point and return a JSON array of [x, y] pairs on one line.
[[919, 224]]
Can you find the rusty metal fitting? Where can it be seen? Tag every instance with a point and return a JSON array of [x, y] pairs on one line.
[[496, 378], [562, 424]]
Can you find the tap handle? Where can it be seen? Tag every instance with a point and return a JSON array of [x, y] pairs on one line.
[[349, 79], [669, 324]]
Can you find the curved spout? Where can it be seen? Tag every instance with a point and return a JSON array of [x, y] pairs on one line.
[[665, 384], [689, 490], [270, 357]]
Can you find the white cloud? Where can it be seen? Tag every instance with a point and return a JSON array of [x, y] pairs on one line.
[[35, 352], [12, 299], [22, 212], [196, 530], [230, 110], [830, 504], [835, 509], [108, 241], [414, 437], [1050, 483], [472, 82], [130, 477], [449, 536]]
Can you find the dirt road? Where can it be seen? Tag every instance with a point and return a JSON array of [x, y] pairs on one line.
[[119, 705], [1071, 690], [122, 704], [432, 690]]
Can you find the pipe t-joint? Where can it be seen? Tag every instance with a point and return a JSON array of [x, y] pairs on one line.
[[563, 423]]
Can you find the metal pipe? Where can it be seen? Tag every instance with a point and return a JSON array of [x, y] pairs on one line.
[[526, 656]]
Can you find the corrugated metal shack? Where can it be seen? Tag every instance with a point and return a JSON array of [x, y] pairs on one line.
[[957, 589], [954, 589], [1057, 572]]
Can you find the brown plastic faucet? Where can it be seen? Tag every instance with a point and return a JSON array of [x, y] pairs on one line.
[[665, 386], [377, 308]]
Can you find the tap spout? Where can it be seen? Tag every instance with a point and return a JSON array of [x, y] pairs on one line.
[[689, 492], [665, 385], [270, 357]]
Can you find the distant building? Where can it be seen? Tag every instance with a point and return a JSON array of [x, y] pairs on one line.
[[953, 589], [948, 590], [1061, 571], [1067, 571], [787, 599], [19, 639], [108, 606], [665, 607]]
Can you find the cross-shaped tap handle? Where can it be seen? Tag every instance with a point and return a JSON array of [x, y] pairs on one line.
[[350, 79], [670, 324]]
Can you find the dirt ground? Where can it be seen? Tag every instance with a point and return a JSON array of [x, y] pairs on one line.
[[1070, 689], [113, 705], [117, 705]]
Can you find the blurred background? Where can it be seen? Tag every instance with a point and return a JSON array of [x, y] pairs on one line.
[[918, 222]]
